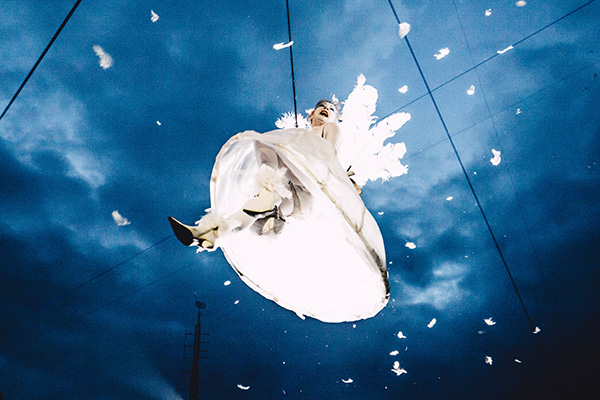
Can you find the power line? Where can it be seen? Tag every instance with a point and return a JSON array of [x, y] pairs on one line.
[[479, 205], [40, 58], [519, 205], [494, 114], [117, 300], [474, 67], [136, 291], [69, 291], [287, 6], [489, 113]]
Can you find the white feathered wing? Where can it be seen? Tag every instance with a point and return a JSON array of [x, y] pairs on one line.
[[362, 141]]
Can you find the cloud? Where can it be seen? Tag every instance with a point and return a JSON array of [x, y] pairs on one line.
[[443, 290], [56, 123]]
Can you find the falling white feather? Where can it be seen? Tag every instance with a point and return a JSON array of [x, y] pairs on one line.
[[106, 61], [280, 46], [403, 29], [119, 219], [153, 16], [441, 53], [496, 159], [399, 371], [243, 387], [505, 50]]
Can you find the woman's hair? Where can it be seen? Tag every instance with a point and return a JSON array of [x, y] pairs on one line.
[[335, 104]]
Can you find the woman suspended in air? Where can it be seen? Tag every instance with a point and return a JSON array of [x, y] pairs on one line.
[[286, 209]]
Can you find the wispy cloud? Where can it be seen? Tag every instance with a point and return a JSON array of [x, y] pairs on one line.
[[443, 290]]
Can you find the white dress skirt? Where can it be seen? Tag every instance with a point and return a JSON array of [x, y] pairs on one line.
[[328, 260]]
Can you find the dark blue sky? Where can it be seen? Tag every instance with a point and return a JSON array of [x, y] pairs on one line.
[[82, 141]]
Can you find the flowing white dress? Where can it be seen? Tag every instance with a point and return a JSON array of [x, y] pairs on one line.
[[328, 261]]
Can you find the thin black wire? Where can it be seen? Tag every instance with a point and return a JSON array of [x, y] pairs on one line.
[[287, 6], [519, 205], [37, 336], [512, 105], [429, 93], [133, 292], [69, 291], [489, 228], [40, 58], [489, 113], [474, 67]]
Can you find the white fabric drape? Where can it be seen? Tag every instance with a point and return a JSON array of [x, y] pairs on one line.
[[328, 262]]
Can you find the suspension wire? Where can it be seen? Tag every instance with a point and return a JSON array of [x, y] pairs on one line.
[[512, 182], [69, 291], [485, 219], [429, 93], [40, 58], [474, 67], [493, 122], [287, 6]]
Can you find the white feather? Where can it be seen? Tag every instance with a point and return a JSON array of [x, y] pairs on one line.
[[280, 46], [403, 29], [119, 219], [106, 61]]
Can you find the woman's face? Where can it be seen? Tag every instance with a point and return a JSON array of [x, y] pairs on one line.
[[324, 112]]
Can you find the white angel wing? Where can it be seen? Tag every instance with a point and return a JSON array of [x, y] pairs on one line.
[[287, 121], [361, 145], [362, 141]]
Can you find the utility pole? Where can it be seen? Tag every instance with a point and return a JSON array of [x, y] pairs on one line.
[[197, 354]]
